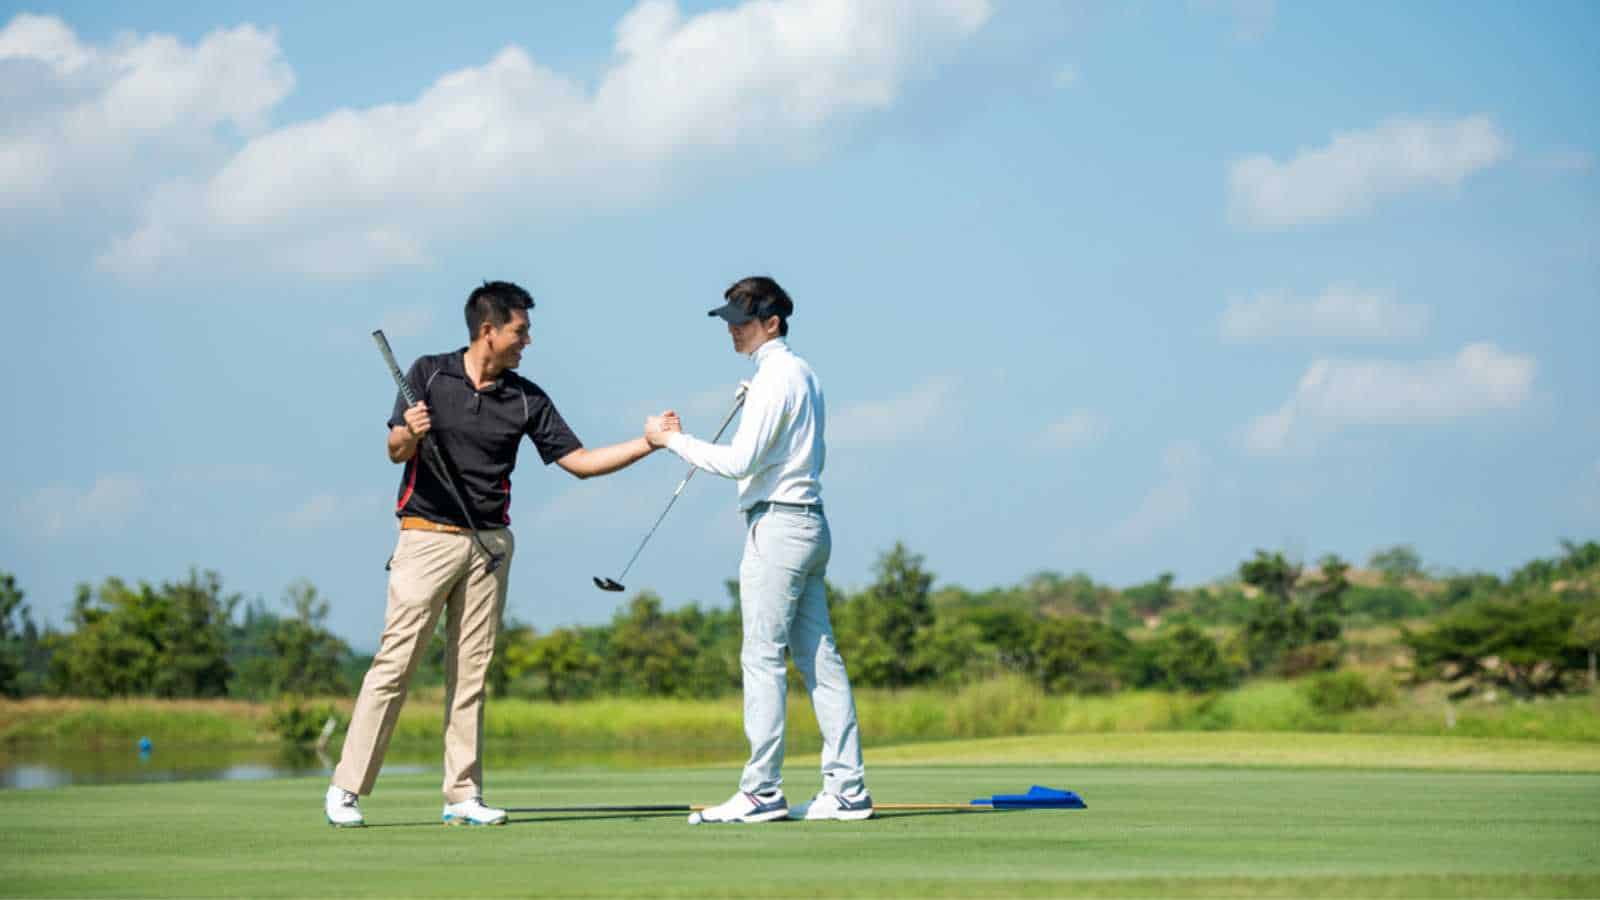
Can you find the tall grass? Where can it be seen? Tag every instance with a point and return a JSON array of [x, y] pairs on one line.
[[1006, 706], [97, 723]]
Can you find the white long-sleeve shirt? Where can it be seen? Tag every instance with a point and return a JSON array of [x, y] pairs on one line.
[[777, 452]]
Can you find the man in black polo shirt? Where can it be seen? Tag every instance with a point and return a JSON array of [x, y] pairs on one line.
[[478, 409]]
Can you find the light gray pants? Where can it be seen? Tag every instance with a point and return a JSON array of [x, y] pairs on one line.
[[785, 606]]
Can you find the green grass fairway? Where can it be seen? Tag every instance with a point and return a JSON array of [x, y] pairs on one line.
[[1150, 830], [1238, 748]]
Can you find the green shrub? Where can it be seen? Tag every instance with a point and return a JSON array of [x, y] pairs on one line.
[[1184, 659], [1080, 656], [1333, 693], [298, 722], [1321, 656], [1257, 706], [1385, 603]]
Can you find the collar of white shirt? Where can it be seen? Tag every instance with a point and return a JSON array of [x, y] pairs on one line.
[[770, 347]]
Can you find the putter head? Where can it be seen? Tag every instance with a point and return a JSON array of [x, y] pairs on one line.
[[606, 584]]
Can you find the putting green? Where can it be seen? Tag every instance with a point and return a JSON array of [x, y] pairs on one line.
[[1167, 830]]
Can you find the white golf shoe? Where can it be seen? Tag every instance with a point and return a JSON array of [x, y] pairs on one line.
[[473, 812], [825, 806], [343, 808], [744, 807]]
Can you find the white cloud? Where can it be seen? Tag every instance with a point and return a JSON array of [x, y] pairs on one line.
[[628, 502], [1349, 175], [1080, 427], [61, 510], [324, 510], [1252, 19], [898, 418], [364, 189], [1168, 504], [1066, 76], [1332, 394], [315, 512], [230, 473], [406, 322], [707, 406], [98, 120], [701, 411], [46, 40], [1565, 161], [1342, 311]]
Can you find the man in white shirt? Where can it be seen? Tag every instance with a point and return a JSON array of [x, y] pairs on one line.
[[777, 456]]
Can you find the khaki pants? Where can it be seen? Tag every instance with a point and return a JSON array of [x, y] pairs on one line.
[[432, 572]]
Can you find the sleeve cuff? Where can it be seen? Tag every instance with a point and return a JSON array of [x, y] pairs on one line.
[[675, 442]]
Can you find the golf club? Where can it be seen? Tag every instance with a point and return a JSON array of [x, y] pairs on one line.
[[1037, 797], [607, 584], [435, 455]]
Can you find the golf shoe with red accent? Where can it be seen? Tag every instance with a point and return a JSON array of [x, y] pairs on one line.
[[745, 807]]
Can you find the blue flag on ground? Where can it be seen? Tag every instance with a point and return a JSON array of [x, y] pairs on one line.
[[1037, 797]]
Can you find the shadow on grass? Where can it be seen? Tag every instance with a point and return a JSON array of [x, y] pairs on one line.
[[919, 813], [591, 817], [586, 817], [553, 815]]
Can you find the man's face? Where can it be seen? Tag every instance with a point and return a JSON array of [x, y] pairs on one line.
[[507, 341], [752, 334]]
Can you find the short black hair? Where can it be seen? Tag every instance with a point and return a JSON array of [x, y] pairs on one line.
[[493, 303], [762, 298]]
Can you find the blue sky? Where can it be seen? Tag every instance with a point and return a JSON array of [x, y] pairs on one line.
[[1119, 289]]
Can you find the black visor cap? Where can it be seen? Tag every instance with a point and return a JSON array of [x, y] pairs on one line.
[[733, 313]]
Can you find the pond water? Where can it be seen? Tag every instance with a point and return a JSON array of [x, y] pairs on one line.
[[53, 766]]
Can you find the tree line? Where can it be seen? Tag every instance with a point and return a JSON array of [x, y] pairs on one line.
[[1534, 632]]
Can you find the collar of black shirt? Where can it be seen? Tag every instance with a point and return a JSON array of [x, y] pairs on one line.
[[456, 364]]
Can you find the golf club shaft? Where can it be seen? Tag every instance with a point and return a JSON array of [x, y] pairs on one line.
[[956, 807], [435, 453], [700, 807], [738, 401], [672, 808]]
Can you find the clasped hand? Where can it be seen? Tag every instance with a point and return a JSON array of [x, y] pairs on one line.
[[657, 429]]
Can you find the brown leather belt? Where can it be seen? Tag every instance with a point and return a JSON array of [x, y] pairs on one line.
[[417, 523]]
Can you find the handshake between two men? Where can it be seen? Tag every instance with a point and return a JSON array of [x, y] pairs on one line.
[[659, 429]]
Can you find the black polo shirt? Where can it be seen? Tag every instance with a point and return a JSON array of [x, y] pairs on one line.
[[479, 432]]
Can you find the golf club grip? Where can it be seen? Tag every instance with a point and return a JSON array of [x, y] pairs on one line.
[[394, 367], [436, 455], [435, 452]]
